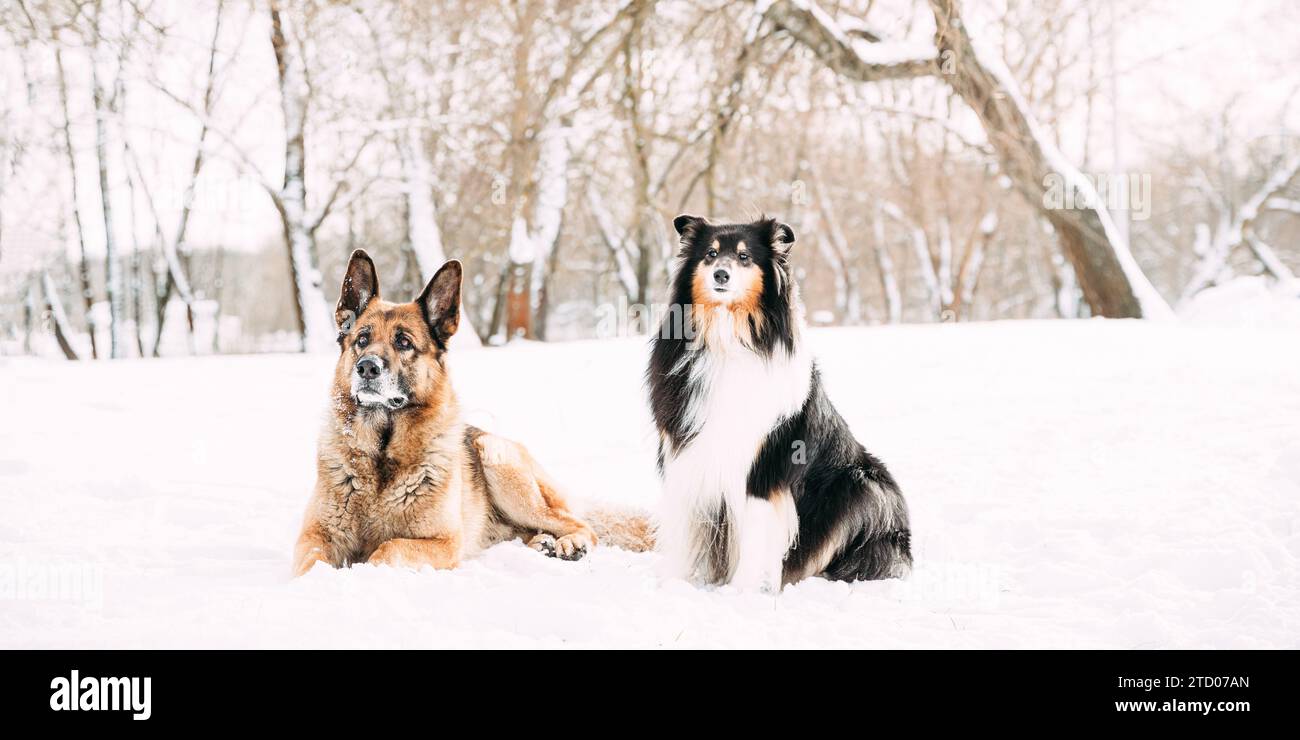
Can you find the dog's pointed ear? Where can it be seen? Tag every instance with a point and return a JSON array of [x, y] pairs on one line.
[[782, 238], [686, 222], [360, 286], [440, 302]]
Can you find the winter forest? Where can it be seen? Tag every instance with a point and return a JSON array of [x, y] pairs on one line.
[[1047, 251], [189, 178]]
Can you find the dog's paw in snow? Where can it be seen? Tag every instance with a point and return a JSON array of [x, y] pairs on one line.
[[568, 547], [543, 543], [573, 546]]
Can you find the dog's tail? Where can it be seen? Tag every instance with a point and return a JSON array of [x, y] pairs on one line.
[[625, 528]]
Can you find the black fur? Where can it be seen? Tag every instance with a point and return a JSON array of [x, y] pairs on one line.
[[845, 497], [768, 242]]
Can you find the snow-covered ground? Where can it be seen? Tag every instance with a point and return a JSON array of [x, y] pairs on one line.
[[1072, 484]]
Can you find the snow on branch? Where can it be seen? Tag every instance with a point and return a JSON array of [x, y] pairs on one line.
[[1283, 204], [1269, 259], [846, 53], [1237, 232]]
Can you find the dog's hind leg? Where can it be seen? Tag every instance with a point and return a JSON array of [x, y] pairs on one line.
[[530, 500]]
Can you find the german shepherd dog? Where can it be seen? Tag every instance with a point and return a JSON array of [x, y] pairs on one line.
[[401, 480], [764, 483]]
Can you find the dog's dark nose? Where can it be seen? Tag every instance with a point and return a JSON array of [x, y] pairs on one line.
[[721, 277], [369, 367]]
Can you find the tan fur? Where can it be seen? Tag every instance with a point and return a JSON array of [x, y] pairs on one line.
[[626, 530], [744, 308], [417, 486]]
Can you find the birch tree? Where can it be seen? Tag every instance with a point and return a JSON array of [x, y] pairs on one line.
[[112, 264], [58, 34], [300, 222]]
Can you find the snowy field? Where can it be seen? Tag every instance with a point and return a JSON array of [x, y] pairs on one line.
[[1072, 484]]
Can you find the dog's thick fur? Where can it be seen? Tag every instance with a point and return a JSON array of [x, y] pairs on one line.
[[764, 483], [401, 480]]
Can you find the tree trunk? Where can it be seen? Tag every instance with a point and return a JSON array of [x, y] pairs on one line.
[[112, 266], [423, 236], [1110, 278], [177, 275], [83, 264], [888, 278], [544, 292], [311, 313], [533, 239], [29, 315], [58, 318]]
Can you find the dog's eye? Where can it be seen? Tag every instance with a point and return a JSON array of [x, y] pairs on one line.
[[402, 343], [363, 340], [712, 254], [743, 257]]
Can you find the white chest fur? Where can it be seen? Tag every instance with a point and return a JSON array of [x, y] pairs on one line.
[[738, 397]]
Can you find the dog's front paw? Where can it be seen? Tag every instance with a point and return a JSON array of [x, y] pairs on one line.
[[390, 553], [569, 547], [543, 543], [574, 546], [307, 561]]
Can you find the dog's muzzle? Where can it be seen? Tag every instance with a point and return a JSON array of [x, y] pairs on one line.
[[374, 385]]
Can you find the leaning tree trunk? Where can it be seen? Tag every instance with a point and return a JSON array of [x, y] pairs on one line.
[[58, 318], [1110, 278]]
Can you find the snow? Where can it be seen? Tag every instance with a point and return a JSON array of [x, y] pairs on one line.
[[1232, 232], [1245, 301], [878, 53], [1072, 484]]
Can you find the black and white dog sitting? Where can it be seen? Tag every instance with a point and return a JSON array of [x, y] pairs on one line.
[[764, 483]]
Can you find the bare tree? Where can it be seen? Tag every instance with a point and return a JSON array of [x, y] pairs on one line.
[[1235, 230], [1111, 280], [538, 154], [422, 242], [300, 223], [65, 131], [176, 277], [112, 263]]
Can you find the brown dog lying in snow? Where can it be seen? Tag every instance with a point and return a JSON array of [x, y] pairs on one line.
[[401, 480]]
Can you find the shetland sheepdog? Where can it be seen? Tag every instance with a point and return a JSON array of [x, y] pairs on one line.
[[764, 483]]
